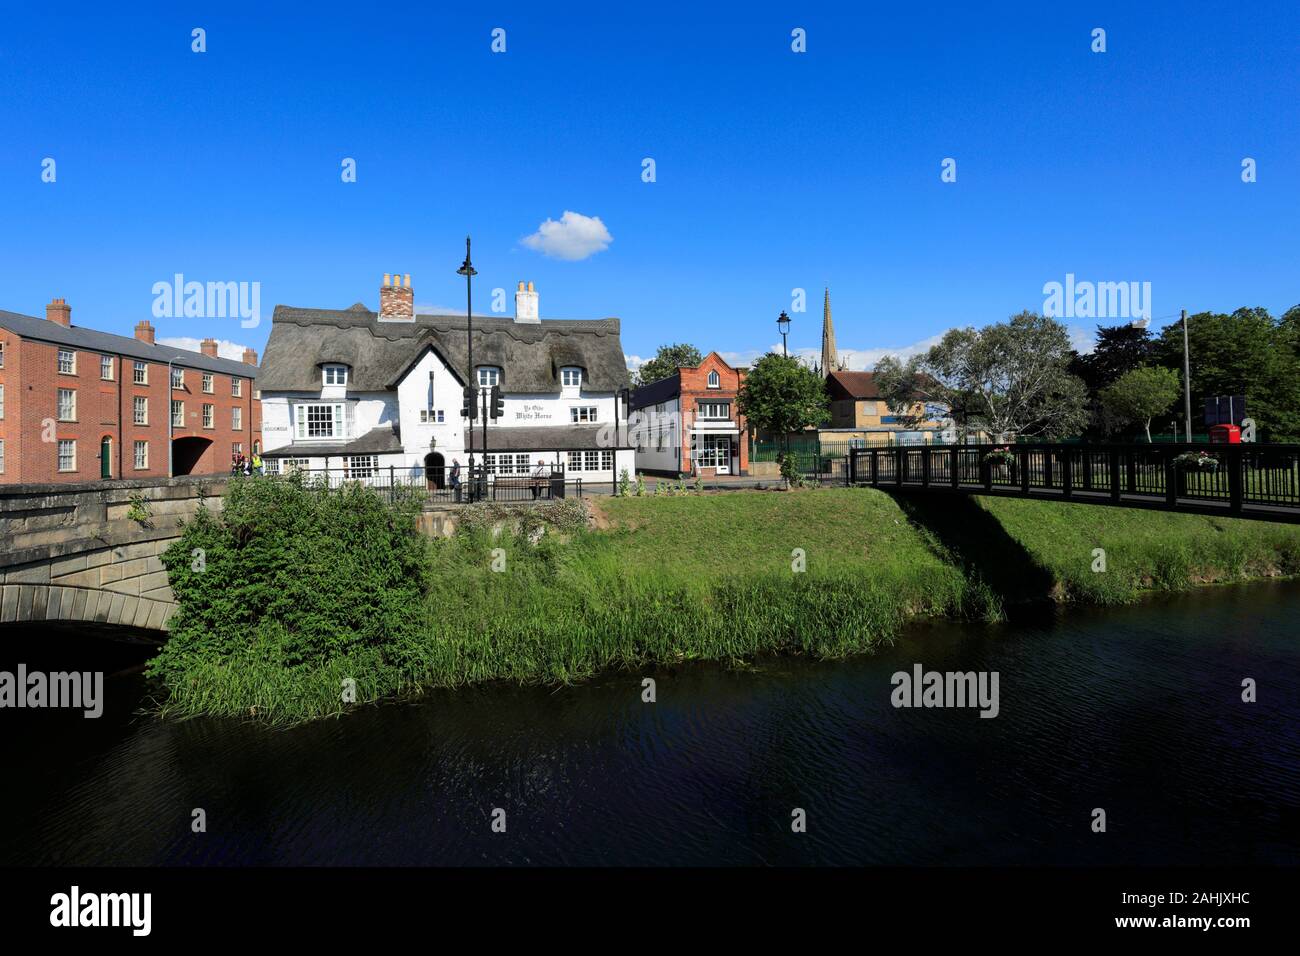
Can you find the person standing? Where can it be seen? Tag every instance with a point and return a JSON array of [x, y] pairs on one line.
[[455, 479], [539, 477]]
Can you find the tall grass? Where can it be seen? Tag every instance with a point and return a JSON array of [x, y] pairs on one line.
[[690, 577]]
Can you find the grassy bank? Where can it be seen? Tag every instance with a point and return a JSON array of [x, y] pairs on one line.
[[724, 576]]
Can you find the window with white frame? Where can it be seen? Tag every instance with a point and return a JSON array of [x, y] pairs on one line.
[[237, 419], [714, 381], [489, 464], [67, 362], [178, 414], [237, 387], [236, 449], [106, 367], [140, 410], [583, 413], [591, 460], [714, 411], [432, 416], [207, 382], [209, 416], [488, 376], [142, 454], [178, 377], [140, 373], [571, 377], [67, 455], [287, 466], [336, 374], [360, 466], [2, 401], [2, 456], [67, 404], [2, 355], [319, 420]]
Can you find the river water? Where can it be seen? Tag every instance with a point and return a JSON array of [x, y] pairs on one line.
[[1136, 711]]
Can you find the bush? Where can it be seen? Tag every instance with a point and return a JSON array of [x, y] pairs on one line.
[[295, 574]]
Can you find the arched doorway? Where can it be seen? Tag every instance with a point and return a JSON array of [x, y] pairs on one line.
[[188, 452], [106, 457], [435, 471]]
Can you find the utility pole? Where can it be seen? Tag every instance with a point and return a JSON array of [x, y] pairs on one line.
[[1187, 379], [468, 271]]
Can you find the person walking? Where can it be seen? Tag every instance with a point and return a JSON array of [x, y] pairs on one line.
[[455, 479]]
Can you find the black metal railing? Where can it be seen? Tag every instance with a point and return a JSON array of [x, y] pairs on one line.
[[441, 485], [1255, 481]]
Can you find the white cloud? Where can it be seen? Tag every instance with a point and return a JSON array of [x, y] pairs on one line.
[[634, 362], [574, 237], [225, 348]]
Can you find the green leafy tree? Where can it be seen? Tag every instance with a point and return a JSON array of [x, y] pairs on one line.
[[666, 361], [1009, 379], [1141, 394], [1118, 349], [1245, 353], [781, 395]]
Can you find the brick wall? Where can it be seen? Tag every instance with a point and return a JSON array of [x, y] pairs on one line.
[[695, 388], [31, 430]]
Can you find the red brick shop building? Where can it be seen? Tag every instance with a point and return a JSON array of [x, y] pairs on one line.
[[79, 405], [688, 424]]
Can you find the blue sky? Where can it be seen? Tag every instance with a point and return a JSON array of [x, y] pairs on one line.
[[775, 170]]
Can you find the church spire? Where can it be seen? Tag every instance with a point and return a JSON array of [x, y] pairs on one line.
[[830, 361]]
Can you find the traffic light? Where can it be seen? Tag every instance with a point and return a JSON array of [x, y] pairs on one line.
[[498, 402], [469, 408]]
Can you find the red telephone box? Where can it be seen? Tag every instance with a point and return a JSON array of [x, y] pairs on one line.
[[1225, 435]]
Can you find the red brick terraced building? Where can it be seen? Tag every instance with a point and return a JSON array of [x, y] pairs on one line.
[[79, 405], [688, 424]]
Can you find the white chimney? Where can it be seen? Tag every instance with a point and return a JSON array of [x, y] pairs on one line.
[[526, 304]]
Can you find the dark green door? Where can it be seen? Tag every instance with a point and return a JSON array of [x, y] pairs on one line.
[[106, 458]]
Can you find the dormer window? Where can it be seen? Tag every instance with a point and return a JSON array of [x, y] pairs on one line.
[[571, 377], [336, 374], [714, 381], [488, 376]]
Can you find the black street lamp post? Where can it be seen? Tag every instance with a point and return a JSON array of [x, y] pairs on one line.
[[468, 271], [783, 323]]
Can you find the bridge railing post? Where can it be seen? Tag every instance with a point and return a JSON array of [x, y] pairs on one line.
[[900, 461], [1235, 463], [1067, 480], [954, 463], [1024, 472], [1113, 466], [1171, 478], [925, 466]]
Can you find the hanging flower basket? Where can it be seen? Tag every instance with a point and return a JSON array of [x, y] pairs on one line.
[[1000, 456], [1196, 461]]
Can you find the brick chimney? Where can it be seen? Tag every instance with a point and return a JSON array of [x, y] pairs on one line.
[[208, 347], [59, 311], [144, 331], [250, 357], [396, 301], [526, 304]]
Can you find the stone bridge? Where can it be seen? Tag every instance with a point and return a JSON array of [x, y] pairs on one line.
[[90, 551]]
